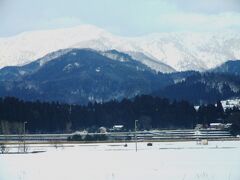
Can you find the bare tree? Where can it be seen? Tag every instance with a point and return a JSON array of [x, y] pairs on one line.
[[22, 148]]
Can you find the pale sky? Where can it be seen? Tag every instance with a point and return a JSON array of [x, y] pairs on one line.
[[122, 17]]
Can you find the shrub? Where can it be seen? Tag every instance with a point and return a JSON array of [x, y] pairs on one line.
[[75, 137], [3, 148], [96, 137]]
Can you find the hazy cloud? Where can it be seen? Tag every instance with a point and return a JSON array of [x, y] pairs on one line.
[[208, 6], [200, 22], [124, 17]]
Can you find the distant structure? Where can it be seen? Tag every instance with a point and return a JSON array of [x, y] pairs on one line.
[[102, 130], [214, 126], [117, 128], [199, 126], [220, 126]]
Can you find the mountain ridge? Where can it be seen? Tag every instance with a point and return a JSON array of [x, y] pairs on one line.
[[230, 67], [81, 76], [180, 51]]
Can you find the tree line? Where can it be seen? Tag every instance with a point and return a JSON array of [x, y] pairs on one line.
[[151, 112]]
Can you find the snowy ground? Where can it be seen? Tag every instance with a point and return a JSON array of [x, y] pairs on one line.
[[164, 160]]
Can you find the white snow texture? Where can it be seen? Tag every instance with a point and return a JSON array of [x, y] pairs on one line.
[[181, 51]]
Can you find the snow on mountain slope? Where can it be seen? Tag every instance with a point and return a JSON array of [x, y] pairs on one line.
[[30, 46], [192, 51], [151, 62], [179, 51]]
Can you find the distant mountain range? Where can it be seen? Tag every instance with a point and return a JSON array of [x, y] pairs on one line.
[[86, 64], [219, 83], [86, 75], [203, 88], [163, 52], [81, 76]]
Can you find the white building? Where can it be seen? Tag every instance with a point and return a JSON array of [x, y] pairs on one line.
[[118, 127]]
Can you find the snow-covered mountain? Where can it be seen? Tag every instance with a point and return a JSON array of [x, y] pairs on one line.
[[179, 51], [81, 76]]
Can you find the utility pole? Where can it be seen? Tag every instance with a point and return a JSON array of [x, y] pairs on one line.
[[136, 134], [24, 134]]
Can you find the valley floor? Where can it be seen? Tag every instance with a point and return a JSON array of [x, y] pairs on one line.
[[219, 160]]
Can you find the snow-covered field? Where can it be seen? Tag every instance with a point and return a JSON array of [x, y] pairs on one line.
[[164, 160]]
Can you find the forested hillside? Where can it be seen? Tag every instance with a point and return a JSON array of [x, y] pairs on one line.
[[152, 112]]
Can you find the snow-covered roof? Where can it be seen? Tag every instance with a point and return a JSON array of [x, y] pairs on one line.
[[118, 126], [216, 124]]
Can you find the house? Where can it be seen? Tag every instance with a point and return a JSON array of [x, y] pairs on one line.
[[228, 125], [118, 127], [217, 126], [220, 126]]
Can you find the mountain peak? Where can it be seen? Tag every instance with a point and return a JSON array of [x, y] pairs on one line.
[[180, 51]]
